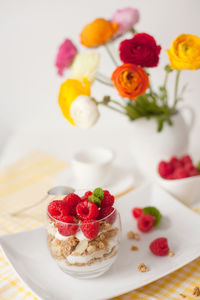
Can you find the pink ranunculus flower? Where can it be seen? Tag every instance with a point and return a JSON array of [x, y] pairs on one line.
[[65, 56], [126, 18]]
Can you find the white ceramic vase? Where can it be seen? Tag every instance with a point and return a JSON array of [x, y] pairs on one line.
[[149, 147]]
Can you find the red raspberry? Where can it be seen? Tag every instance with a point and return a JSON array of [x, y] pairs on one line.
[[180, 173], [145, 222], [90, 228], [159, 246], [87, 210], [72, 200], [186, 159], [107, 211], [68, 226], [86, 195], [175, 162], [137, 212], [57, 209], [193, 172], [108, 200], [165, 169]]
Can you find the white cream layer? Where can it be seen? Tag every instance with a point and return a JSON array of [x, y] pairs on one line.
[[98, 254]]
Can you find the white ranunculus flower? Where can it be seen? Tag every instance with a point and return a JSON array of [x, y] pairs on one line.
[[84, 111], [85, 65]]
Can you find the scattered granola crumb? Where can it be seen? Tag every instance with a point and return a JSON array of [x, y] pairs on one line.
[[134, 248], [132, 235], [143, 268], [196, 291], [171, 253], [137, 237], [182, 295]]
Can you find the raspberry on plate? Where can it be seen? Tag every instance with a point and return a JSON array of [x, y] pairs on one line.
[[107, 211], [159, 246], [137, 212], [87, 210], [108, 200], [145, 222], [67, 226], [58, 209], [165, 169], [90, 228], [86, 195], [72, 200]]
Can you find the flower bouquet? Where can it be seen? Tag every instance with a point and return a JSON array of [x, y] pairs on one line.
[[131, 78]]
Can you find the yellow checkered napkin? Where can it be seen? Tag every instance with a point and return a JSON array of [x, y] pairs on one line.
[[27, 181]]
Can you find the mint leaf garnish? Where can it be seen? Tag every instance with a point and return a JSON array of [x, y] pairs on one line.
[[198, 167], [97, 196], [94, 199], [151, 210], [98, 192]]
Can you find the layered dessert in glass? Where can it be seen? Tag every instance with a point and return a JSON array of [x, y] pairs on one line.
[[84, 233]]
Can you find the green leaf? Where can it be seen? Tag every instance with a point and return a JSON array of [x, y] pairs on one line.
[[97, 196], [98, 192], [95, 200], [169, 121], [151, 210], [160, 124], [198, 166]]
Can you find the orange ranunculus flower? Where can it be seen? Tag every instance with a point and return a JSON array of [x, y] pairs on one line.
[[130, 80], [98, 32]]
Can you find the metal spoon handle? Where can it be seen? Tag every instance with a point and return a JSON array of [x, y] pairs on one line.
[[29, 207]]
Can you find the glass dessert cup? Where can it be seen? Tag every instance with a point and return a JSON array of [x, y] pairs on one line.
[[79, 256]]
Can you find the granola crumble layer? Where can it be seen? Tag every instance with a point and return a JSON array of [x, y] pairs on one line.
[[75, 252]]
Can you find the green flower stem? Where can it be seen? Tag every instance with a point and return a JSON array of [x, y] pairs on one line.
[[110, 54], [110, 107], [166, 79], [165, 87], [176, 88], [104, 82], [150, 86], [133, 30], [102, 76], [117, 103]]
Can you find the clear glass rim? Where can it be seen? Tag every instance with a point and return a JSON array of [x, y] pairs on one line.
[[79, 224]]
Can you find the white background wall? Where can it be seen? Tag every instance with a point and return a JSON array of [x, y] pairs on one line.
[[30, 32]]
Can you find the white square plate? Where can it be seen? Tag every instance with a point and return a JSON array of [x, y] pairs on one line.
[[28, 254]]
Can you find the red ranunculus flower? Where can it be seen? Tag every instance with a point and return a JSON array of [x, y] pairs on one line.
[[141, 50]]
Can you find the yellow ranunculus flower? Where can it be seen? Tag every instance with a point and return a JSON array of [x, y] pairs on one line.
[[85, 65], [69, 91], [184, 52]]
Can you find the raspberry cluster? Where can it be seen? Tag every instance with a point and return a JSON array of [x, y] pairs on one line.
[[147, 218], [85, 211], [177, 168]]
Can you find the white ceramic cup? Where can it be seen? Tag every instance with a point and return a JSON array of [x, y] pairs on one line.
[[92, 166]]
